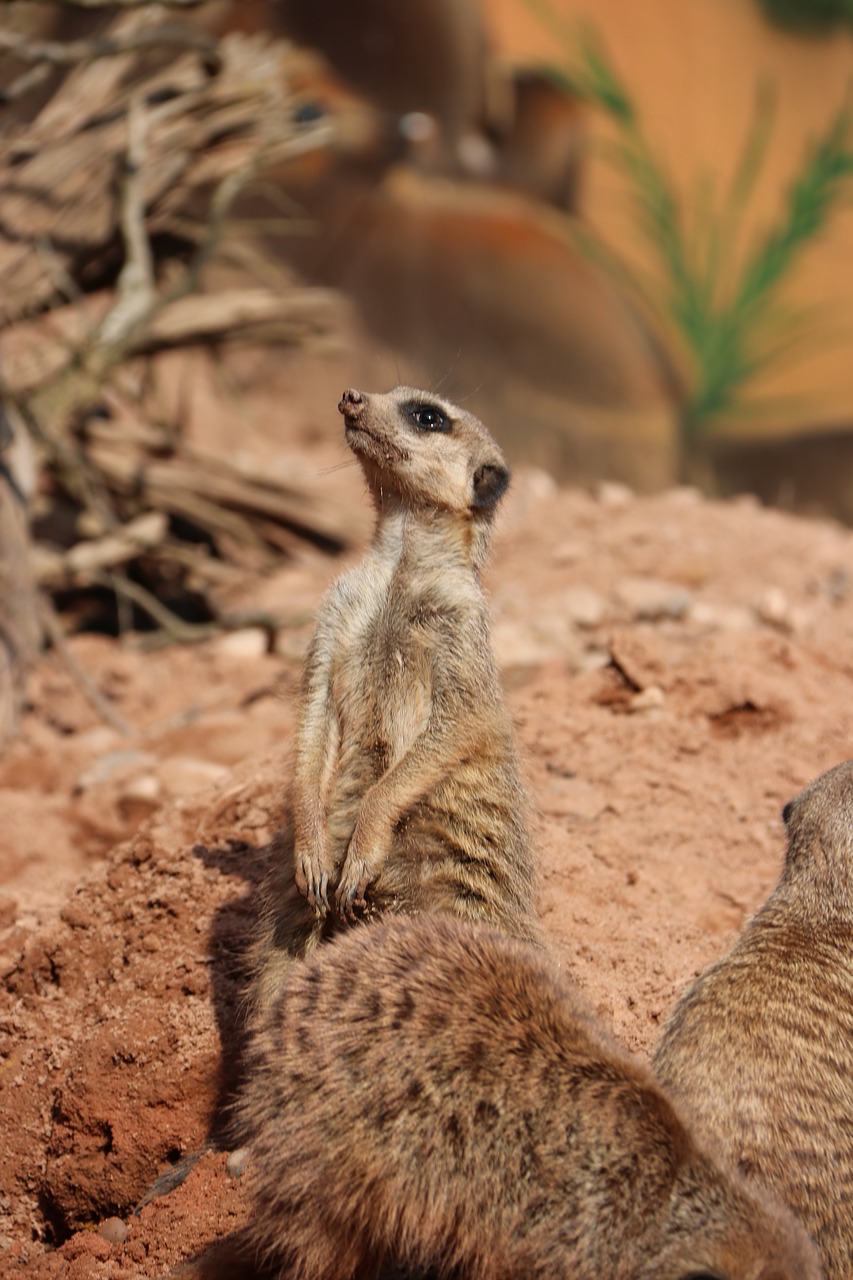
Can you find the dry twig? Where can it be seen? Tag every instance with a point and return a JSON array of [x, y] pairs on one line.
[[178, 136]]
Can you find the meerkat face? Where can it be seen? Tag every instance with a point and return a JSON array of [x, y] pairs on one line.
[[426, 450], [819, 823]]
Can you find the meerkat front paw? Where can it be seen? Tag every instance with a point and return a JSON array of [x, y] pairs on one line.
[[364, 859], [313, 871]]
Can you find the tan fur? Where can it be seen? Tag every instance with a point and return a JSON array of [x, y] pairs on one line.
[[406, 794], [428, 1094], [761, 1046]]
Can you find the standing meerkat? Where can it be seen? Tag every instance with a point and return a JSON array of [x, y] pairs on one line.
[[760, 1049], [406, 793], [427, 1094]]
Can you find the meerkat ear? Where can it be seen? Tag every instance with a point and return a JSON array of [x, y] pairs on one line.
[[491, 481], [788, 813]]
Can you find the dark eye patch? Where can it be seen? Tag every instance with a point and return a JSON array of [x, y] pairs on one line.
[[428, 417]]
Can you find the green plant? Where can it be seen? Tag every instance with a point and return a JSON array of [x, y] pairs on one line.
[[809, 16], [711, 297]]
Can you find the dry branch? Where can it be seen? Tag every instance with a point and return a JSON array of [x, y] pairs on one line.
[[71, 52], [120, 4], [135, 140], [206, 134]]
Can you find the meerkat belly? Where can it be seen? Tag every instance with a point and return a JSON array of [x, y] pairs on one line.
[[403, 706], [382, 705]]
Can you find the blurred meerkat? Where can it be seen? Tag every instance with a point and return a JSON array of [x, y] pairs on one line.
[[406, 794], [760, 1049], [428, 1094]]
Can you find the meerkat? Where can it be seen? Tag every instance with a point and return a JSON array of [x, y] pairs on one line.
[[760, 1049], [406, 792], [428, 1095]]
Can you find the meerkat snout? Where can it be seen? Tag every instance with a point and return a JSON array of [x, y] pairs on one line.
[[350, 400]]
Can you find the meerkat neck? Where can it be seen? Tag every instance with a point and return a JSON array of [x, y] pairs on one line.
[[426, 535], [822, 897]]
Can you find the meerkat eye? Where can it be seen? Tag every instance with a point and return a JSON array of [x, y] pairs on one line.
[[428, 418]]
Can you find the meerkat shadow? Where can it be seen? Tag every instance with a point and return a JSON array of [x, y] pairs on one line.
[[252, 941], [234, 1258]]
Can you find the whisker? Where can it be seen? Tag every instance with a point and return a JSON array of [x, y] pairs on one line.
[[337, 466], [442, 381]]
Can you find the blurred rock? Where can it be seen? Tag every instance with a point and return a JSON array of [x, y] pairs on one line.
[[649, 699], [249, 642], [611, 494], [715, 617], [182, 775], [773, 608], [110, 766], [646, 599], [585, 607]]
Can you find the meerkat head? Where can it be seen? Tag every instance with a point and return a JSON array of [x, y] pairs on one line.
[[721, 1227], [426, 452], [819, 822]]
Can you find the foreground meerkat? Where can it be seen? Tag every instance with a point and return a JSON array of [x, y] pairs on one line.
[[428, 1094], [760, 1049], [406, 793]]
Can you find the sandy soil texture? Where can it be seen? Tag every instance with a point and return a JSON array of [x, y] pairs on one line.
[[677, 669]]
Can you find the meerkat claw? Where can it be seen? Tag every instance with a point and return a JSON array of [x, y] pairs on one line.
[[350, 897]]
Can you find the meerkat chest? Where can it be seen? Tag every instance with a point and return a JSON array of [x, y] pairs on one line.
[[382, 672]]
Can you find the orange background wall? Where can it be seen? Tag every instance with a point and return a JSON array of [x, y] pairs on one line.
[[693, 69]]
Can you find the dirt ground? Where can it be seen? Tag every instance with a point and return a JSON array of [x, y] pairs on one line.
[[677, 669]]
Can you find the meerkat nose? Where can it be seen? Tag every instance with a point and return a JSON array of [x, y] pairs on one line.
[[350, 401]]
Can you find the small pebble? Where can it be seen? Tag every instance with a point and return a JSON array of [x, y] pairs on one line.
[[721, 617], [184, 775], [568, 553], [649, 699], [145, 786], [772, 607], [114, 762], [611, 494], [586, 607], [78, 915], [235, 1165], [650, 598], [686, 495], [113, 1230], [574, 798], [248, 642], [517, 645]]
